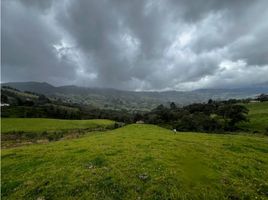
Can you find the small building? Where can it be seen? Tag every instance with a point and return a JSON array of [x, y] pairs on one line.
[[254, 101], [4, 104], [140, 122]]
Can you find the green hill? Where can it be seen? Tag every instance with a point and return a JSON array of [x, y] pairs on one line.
[[258, 117], [139, 162]]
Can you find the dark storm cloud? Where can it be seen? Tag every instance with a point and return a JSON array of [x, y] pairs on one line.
[[140, 45], [39, 4], [27, 46]]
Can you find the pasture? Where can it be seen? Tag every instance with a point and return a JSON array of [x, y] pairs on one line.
[[139, 162]]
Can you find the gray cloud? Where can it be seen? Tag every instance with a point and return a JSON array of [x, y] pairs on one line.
[[136, 45], [27, 46]]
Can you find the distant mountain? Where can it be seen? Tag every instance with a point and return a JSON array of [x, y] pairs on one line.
[[38, 87], [131, 100]]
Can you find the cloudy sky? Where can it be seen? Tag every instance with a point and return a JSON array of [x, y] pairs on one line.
[[136, 44]]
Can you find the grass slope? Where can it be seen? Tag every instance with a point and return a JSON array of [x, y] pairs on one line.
[[139, 162], [41, 124], [258, 117]]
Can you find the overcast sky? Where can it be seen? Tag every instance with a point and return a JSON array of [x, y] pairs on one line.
[[136, 44]]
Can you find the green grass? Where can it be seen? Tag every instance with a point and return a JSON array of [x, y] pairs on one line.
[[258, 117], [139, 162], [41, 124]]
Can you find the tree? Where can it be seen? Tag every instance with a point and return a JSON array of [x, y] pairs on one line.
[[4, 99], [232, 115], [42, 99], [173, 106], [262, 97]]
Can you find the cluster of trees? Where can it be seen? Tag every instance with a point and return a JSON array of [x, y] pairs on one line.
[[262, 97], [65, 112], [44, 111], [15, 97], [214, 116]]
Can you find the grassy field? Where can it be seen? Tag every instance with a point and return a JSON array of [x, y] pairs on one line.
[[24, 131], [41, 124], [139, 162], [258, 117]]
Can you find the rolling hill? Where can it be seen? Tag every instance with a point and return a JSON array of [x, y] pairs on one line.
[[139, 162]]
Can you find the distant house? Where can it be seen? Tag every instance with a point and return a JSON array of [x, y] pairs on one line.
[[254, 101], [140, 122], [4, 104]]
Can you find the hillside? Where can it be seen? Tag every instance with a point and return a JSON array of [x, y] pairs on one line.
[[131, 100], [21, 104], [258, 117], [139, 162]]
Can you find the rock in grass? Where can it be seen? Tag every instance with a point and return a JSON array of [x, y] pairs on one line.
[[89, 166], [144, 176]]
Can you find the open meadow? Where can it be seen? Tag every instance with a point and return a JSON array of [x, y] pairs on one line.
[[139, 162]]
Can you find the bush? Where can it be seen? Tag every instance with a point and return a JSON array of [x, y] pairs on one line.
[[266, 131]]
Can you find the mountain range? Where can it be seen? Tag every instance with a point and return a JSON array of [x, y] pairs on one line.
[[133, 100]]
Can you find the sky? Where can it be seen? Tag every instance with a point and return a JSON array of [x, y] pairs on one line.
[[136, 44]]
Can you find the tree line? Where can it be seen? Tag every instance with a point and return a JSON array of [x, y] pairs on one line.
[[214, 116]]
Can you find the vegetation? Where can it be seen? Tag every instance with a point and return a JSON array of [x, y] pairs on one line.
[[139, 162], [21, 131], [136, 161], [258, 118], [33, 105], [39, 125], [214, 116], [263, 97], [112, 99]]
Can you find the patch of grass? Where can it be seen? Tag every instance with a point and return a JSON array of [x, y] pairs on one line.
[[139, 162], [99, 161], [22, 131], [42, 124]]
